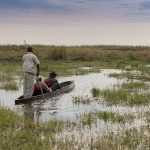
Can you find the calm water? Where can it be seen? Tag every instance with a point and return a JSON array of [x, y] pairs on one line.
[[62, 107]]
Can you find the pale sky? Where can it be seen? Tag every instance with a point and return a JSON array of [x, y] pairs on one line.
[[75, 22]]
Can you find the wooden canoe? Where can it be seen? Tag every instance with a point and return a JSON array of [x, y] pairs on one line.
[[65, 88]]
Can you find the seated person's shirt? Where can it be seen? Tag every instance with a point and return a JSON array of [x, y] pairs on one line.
[[51, 82], [38, 86]]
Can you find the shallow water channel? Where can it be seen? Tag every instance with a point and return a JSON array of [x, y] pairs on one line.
[[62, 107]]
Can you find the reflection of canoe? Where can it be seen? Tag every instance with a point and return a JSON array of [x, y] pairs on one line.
[[65, 88]]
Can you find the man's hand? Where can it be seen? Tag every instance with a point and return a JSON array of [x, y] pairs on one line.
[[37, 74]]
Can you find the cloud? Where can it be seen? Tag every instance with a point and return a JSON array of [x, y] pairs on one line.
[[99, 9]]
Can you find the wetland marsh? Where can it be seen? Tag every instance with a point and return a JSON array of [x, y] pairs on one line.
[[108, 109]]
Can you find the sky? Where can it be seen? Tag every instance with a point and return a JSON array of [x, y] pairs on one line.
[[75, 22]]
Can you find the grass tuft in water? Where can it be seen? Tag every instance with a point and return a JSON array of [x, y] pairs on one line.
[[9, 86], [82, 100], [91, 117], [95, 92], [134, 85], [124, 97]]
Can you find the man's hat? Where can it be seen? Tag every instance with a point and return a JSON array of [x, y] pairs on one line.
[[52, 73]]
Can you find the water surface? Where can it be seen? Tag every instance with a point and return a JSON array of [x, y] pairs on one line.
[[62, 107]]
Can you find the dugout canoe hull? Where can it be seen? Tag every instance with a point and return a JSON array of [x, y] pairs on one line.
[[65, 88]]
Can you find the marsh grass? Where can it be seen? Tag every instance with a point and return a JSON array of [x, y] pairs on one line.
[[126, 139], [133, 86], [65, 68], [91, 117], [147, 116], [82, 100], [9, 86], [98, 52], [8, 80], [17, 133], [95, 92], [130, 76], [115, 117], [130, 93], [124, 97], [8, 74]]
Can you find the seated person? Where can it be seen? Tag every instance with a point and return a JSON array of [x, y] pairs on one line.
[[39, 85], [52, 82]]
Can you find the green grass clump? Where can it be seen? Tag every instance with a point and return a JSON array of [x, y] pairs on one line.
[[124, 97], [114, 117], [87, 119], [127, 75], [81, 100], [131, 93], [95, 92], [19, 133], [91, 117], [134, 85], [147, 116], [9, 86], [97, 52], [8, 119], [126, 139]]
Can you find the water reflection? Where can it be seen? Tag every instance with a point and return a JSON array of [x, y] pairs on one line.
[[28, 112], [62, 107]]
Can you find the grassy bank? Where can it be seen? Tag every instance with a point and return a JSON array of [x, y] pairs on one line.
[[101, 52]]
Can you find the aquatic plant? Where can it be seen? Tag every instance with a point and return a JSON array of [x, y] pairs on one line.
[[124, 97], [91, 117]]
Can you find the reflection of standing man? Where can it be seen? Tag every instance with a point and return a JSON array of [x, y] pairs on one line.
[[30, 69]]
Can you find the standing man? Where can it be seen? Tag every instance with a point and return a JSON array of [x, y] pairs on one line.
[[30, 68]]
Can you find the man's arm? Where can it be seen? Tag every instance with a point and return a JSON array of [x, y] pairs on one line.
[[48, 90], [38, 70]]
